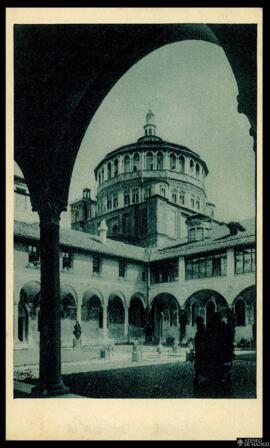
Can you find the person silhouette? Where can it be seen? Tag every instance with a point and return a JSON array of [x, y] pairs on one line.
[[200, 356]]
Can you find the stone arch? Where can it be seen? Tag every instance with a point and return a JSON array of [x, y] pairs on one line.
[[244, 308], [140, 296], [172, 161], [66, 289], [116, 167], [197, 170], [109, 170], [191, 166], [126, 162], [116, 315], [28, 312], [136, 159], [119, 294], [149, 161], [160, 160], [181, 164], [90, 292], [165, 317], [204, 298], [137, 316]]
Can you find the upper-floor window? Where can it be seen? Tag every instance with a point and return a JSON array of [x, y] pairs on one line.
[[245, 260], [181, 164], [149, 161], [172, 162], [102, 175], [136, 162], [191, 166], [97, 263], [109, 168], [159, 161], [165, 271], [192, 201], [33, 254], [206, 266], [115, 201], [116, 163], [126, 198], [198, 203], [147, 192], [197, 170], [126, 164], [182, 198], [174, 196], [66, 260], [200, 233], [109, 203], [192, 235], [135, 195], [143, 276], [163, 191], [122, 268]]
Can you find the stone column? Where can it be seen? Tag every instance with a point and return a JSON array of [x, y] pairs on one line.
[[50, 379], [230, 262], [181, 268], [126, 322], [105, 321]]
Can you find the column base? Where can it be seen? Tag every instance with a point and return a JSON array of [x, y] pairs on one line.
[[46, 391]]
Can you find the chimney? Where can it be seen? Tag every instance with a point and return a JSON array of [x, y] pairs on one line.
[[235, 227], [102, 231]]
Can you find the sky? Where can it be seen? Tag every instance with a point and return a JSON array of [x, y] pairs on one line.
[[192, 91]]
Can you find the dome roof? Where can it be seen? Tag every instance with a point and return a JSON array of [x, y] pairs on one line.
[[151, 141], [154, 143]]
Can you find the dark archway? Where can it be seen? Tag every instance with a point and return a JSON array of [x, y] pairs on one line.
[[116, 317], [68, 315], [28, 311], [92, 317], [203, 303], [137, 318], [165, 315], [244, 307]]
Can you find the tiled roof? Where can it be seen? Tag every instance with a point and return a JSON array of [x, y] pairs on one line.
[[220, 239], [82, 240]]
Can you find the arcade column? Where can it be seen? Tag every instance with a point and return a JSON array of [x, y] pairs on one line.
[[50, 379]]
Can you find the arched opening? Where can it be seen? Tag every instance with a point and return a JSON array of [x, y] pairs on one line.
[[116, 317], [68, 315], [244, 306], [126, 163], [136, 162], [197, 171], [115, 165], [92, 316], [203, 303], [149, 161], [159, 161], [28, 313], [136, 318], [165, 313], [240, 312], [172, 161], [181, 164], [191, 167], [109, 168]]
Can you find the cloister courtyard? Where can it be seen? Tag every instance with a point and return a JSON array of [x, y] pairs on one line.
[[165, 375]]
